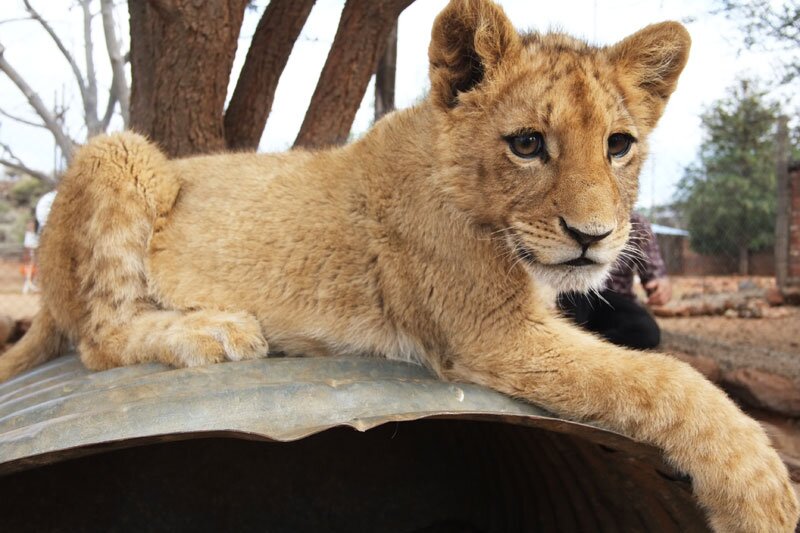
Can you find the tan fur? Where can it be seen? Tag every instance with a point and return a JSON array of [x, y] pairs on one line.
[[410, 244]]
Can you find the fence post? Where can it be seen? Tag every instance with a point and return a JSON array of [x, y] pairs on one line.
[[783, 202]]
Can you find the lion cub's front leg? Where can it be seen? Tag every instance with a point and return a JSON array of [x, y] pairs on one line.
[[737, 477]]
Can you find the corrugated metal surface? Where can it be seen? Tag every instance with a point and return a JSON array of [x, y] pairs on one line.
[[61, 411]]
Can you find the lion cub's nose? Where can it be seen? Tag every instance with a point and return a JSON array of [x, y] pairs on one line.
[[584, 239]]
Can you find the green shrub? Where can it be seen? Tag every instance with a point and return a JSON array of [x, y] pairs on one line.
[[27, 191]]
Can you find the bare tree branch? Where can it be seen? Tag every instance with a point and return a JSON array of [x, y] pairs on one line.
[[64, 142], [121, 91], [27, 170], [18, 19], [22, 120], [15, 163], [90, 107], [112, 102], [71, 60]]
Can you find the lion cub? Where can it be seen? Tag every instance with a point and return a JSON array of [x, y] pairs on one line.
[[430, 240]]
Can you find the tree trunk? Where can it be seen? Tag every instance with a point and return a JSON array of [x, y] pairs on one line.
[[181, 57], [359, 43], [385, 77], [249, 108], [744, 260]]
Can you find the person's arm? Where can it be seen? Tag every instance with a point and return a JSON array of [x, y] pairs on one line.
[[651, 268], [659, 291]]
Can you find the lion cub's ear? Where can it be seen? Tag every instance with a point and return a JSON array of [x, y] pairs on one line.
[[652, 59], [469, 41]]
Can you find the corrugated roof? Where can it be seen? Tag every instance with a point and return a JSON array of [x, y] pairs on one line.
[[658, 229]]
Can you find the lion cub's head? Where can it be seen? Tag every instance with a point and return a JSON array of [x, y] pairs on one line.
[[544, 135]]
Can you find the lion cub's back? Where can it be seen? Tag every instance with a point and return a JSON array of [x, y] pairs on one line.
[[253, 232]]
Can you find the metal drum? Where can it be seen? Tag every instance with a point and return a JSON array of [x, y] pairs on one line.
[[313, 444]]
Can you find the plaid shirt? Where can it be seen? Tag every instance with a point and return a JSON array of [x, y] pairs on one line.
[[649, 265]]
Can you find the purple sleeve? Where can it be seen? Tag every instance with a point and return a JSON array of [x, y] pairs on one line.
[[651, 266]]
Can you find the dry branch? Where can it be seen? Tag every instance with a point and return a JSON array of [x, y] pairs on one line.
[[112, 102], [64, 142], [119, 86], [13, 162], [21, 120], [60, 44], [90, 100]]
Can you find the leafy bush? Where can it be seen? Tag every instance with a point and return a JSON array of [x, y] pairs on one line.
[[27, 191]]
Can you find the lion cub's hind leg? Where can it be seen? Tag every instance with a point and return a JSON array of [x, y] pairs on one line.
[[126, 191], [176, 338]]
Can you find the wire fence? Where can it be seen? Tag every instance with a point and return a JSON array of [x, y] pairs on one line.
[[697, 250]]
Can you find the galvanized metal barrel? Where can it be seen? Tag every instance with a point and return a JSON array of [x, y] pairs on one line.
[[270, 445]]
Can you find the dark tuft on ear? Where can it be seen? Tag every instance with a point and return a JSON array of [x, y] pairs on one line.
[[470, 39], [652, 59]]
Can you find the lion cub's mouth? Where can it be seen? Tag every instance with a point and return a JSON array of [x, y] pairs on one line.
[[579, 262], [528, 256]]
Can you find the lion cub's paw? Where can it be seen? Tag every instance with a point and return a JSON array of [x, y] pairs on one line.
[[241, 337], [762, 501], [220, 336]]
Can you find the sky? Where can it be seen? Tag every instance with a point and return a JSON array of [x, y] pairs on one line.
[[716, 62]]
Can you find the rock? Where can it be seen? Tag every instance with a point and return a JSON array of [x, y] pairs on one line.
[[764, 389], [747, 285], [791, 295], [673, 309], [751, 309], [666, 311], [731, 313], [705, 365], [784, 436], [7, 326], [778, 312], [774, 296]]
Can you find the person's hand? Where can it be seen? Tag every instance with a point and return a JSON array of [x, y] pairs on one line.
[[659, 291]]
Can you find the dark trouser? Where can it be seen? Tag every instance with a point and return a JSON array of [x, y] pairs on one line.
[[619, 319]]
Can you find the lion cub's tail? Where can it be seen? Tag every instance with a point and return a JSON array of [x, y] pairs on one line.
[[41, 343]]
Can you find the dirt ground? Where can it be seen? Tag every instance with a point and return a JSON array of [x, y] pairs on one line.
[[778, 329], [12, 302], [780, 332]]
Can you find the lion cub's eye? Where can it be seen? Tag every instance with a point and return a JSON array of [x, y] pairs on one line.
[[526, 145], [619, 144]]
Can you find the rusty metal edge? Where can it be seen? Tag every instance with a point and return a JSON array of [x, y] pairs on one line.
[[369, 375]]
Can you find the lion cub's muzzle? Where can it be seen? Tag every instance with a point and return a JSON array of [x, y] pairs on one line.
[[584, 240], [566, 255]]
